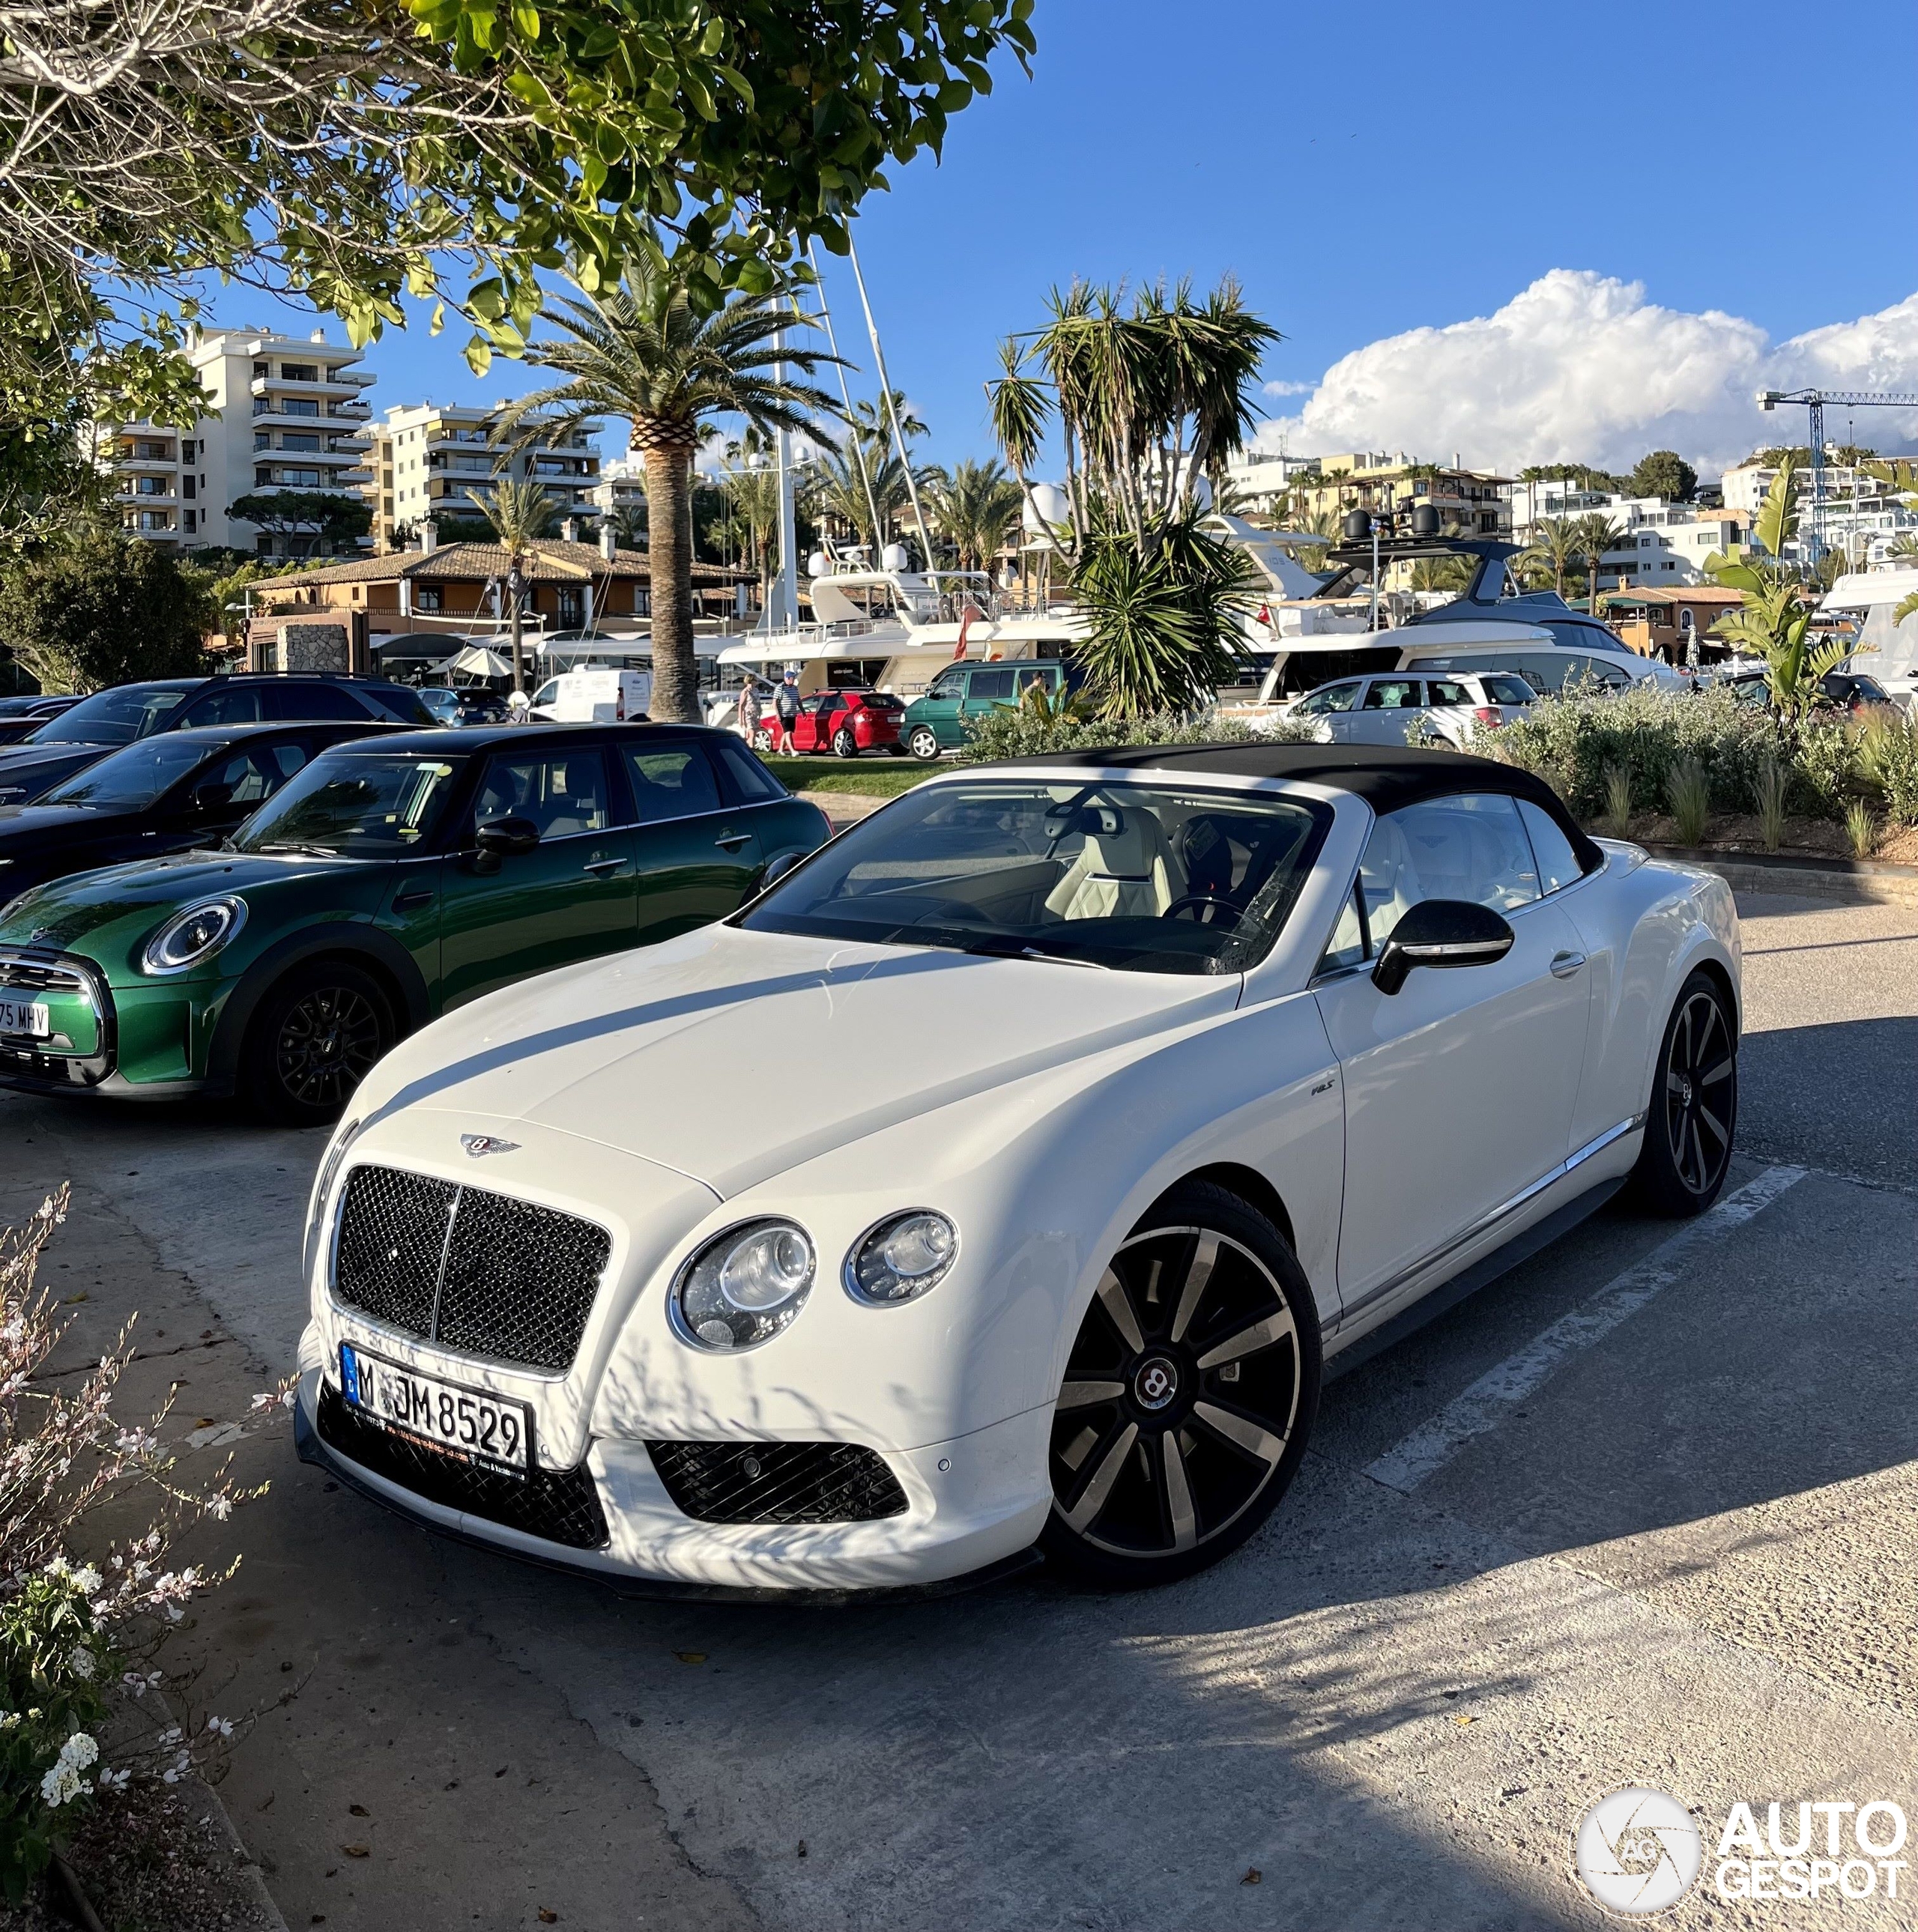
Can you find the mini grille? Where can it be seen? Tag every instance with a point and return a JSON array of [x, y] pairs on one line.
[[33, 976], [778, 1482], [562, 1505], [468, 1269]]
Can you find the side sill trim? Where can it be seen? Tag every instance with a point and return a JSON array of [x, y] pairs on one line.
[[1486, 1222]]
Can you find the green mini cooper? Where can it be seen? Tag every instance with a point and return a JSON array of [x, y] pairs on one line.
[[389, 880]]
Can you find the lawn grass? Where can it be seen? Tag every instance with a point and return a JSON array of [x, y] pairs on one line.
[[881, 777]]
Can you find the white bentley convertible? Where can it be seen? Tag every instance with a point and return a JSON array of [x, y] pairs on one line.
[[1004, 1178]]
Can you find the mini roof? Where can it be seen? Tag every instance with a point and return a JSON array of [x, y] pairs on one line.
[[1388, 777]]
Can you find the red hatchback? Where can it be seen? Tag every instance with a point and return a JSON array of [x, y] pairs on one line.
[[843, 722]]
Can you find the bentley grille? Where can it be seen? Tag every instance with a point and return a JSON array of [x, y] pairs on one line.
[[466, 1268]]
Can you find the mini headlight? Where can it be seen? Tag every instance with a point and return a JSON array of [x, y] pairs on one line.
[[194, 935], [903, 1256], [744, 1285]]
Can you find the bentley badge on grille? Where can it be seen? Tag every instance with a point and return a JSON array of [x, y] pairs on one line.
[[477, 1144]]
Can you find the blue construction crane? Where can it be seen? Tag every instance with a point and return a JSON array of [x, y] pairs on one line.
[[1814, 401]]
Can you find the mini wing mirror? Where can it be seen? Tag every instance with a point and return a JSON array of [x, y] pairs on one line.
[[778, 869], [503, 837], [1442, 932]]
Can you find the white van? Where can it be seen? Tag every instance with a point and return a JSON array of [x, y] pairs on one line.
[[593, 696]]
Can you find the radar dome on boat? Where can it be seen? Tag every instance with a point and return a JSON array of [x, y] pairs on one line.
[[893, 557], [816, 565], [1049, 500]]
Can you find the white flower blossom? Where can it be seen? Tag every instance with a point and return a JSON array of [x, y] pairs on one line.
[[63, 1781], [171, 1735], [220, 1508], [221, 1727], [81, 1662], [87, 1580], [113, 1781]]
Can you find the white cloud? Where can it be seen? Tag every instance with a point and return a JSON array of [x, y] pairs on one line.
[[1580, 368]]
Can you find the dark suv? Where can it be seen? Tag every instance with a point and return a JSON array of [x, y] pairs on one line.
[[126, 712]]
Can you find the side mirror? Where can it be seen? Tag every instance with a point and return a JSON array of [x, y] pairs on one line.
[[211, 794], [778, 869], [505, 838], [1442, 932]]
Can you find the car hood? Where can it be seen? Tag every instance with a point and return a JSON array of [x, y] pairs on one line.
[[37, 825], [731, 1056], [17, 754], [65, 911]]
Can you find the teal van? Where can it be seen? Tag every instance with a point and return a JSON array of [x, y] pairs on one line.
[[935, 720]]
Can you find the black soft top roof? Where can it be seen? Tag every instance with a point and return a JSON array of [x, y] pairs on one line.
[[1386, 776]]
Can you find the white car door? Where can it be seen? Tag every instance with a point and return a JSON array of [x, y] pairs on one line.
[[1390, 705], [1459, 1088]]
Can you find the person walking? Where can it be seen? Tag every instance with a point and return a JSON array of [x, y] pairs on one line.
[[749, 711], [785, 708]]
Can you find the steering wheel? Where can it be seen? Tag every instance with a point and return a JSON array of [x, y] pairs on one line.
[[1197, 902]]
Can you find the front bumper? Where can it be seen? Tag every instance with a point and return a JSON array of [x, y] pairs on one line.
[[147, 1042], [970, 1519]]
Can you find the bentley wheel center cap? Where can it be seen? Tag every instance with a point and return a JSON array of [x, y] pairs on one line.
[[1157, 1382]]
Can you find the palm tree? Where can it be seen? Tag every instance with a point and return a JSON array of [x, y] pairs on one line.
[[1554, 547], [838, 490], [644, 352], [752, 499], [973, 508], [521, 514], [1594, 534]]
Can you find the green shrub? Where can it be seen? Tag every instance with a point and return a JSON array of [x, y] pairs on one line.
[[1772, 785], [1579, 743], [1861, 827], [1027, 730], [1617, 819], [1888, 762], [1690, 797]]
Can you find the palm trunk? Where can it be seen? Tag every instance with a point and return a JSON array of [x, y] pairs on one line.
[[669, 521]]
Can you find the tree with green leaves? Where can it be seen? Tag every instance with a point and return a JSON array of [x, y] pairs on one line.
[[1591, 535], [974, 509], [1774, 618], [353, 152], [1149, 399], [332, 521], [1553, 550], [519, 514], [648, 352], [1663, 473], [95, 607]]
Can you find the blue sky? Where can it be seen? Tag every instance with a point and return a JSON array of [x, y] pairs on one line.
[[1367, 171]]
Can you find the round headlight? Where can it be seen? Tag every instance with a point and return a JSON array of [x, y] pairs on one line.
[[194, 935], [903, 1256], [744, 1285]]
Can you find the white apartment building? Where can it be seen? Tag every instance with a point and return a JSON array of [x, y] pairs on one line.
[[622, 485], [427, 456], [1858, 515], [1663, 544], [282, 414], [1261, 476]]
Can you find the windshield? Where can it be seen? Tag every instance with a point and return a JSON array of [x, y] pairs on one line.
[[115, 717], [358, 804], [129, 779], [1148, 879]]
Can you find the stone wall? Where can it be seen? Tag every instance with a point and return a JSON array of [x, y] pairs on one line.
[[311, 647]]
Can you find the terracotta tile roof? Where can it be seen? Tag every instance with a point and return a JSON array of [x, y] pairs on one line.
[[553, 561]]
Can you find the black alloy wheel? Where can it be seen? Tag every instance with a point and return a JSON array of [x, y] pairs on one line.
[[844, 744], [315, 1036], [1188, 1397], [1693, 1117]]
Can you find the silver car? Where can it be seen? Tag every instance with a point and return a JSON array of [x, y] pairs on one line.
[[1402, 707]]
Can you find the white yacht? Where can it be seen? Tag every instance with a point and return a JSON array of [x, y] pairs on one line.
[[1884, 650]]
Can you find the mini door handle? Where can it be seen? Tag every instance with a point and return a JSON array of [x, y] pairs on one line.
[[604, 865], [1564, 964], [402, 900], [732, 841]]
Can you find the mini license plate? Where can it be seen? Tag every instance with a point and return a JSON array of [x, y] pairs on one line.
[[463, 1421], [26, 1016]]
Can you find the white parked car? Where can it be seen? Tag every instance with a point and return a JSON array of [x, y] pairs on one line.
[[1165, 1075], [1401, 708]]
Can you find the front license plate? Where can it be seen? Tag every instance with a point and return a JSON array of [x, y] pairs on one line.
[[26, 1016], [481, 1428]]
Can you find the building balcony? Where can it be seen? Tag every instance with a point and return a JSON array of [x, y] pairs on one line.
[[169, 495], [343, 386]]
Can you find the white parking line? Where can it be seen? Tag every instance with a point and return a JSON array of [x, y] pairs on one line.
[[1434, 1443]]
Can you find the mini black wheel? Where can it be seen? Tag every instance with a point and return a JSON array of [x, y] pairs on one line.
[[845, 745], [1693, 1114], [1188, 1395], [922, 741], [314, 1038]]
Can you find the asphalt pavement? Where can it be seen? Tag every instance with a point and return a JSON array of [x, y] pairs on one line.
[[1633, 1514]]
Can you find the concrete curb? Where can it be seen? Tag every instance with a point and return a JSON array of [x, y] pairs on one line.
[[252, 1880], [1851, 880]]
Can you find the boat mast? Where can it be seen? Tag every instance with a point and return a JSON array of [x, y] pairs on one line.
[[788, 590], [845, 394], [886, 390]]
